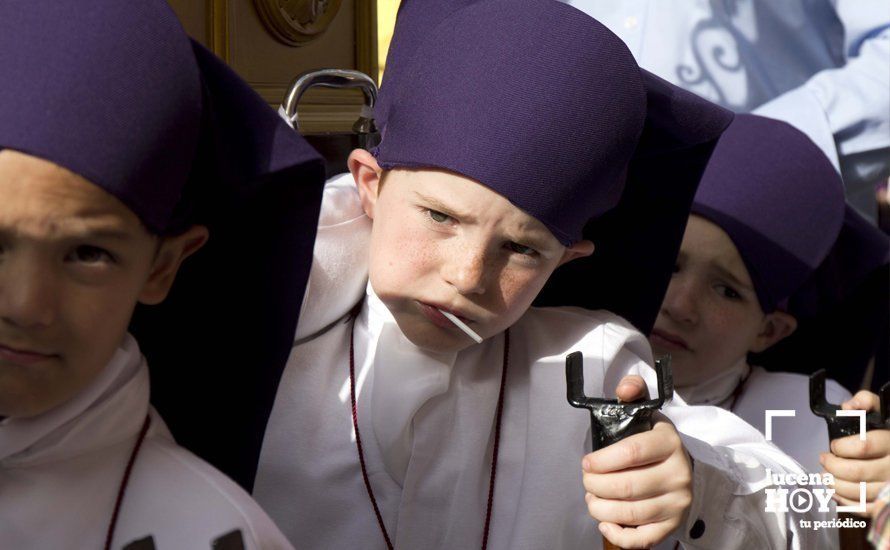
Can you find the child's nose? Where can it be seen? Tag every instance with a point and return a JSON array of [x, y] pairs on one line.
[[466, 272], [679, 302], [26, 296]]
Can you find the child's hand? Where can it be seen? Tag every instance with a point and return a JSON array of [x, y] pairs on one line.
[[639, 488], [852, 460]]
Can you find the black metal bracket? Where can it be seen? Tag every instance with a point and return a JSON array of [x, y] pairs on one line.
[[233, 540], [842, 426], [610, 419], [146, 543]]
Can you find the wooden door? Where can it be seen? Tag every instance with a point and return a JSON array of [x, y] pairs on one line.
[[269, 42]]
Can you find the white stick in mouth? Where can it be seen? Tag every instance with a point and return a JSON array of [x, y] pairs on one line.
[[461, 325]]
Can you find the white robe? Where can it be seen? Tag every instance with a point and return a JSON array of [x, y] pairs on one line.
[[805, 435], [427, 423], [60, 472]]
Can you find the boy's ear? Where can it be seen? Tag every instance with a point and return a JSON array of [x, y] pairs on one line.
[[580, 249], [366, 173], [170, 255], [776, 326]]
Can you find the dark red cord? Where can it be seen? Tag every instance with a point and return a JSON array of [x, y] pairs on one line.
[[358, 437], [497, 440], [125, 480], [494, 454]]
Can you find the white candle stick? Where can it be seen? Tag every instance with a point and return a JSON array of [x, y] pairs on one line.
[[461, 325]]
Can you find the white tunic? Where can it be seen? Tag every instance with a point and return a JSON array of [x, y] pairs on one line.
[[60, 472], [427, 423], [803, 436]]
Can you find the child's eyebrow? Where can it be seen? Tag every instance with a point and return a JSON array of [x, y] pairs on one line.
[[106, 233], [533, 237], [436, 204], [75, 233]]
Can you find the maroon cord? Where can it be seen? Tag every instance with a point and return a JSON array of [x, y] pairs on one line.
[[497, 439], [494, 454], [358, 437], [125, 480]]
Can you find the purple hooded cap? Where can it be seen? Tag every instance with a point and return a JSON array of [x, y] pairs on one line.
[[91, 102], [118, 93], [778, 198], [544, 105], [776, 195]]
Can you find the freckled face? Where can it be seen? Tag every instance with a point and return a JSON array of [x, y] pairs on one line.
[[440, 240], [73, 260], [710, 317]]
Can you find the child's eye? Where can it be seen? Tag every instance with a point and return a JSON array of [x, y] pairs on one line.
[[87, 254], [729, 292], [521, 249], [438, 217]]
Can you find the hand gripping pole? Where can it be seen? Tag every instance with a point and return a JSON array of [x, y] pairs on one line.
[[610, 419], [843, 426]]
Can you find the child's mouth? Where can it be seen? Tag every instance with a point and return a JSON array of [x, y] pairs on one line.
[[435, 316], [668, 341], [21, 357]]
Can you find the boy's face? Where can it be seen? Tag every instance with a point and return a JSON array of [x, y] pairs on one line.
[[73, 263], [440, 240], [710, 318]]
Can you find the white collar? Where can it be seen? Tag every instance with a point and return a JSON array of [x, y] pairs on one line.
[[404, 378], [719, 389], [109, 409]]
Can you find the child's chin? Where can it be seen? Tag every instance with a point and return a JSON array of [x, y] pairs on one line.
[[688, 373], [433, 341]]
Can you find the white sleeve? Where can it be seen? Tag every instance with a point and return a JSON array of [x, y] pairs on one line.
[[730, 478], [730, 457], [845, 110], [339, 272]]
